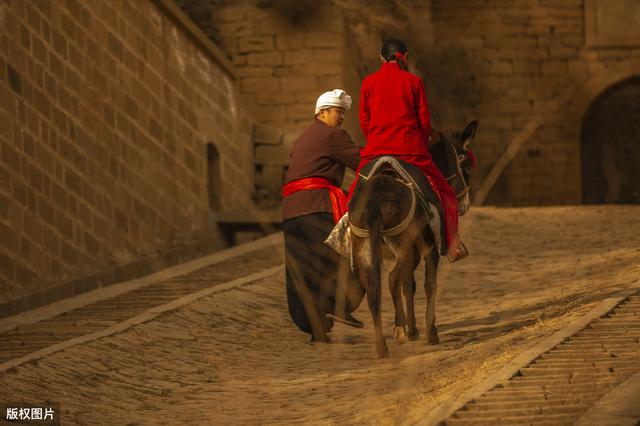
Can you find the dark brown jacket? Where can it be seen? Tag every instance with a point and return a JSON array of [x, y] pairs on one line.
[[321, 151]]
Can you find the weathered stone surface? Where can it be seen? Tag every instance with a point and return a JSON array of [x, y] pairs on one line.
[[272, 155], [266, 135], [612, 24], [272, 179], [255, 44], [103, 109]]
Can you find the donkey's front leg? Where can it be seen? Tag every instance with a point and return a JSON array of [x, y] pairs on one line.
[[431, 286]]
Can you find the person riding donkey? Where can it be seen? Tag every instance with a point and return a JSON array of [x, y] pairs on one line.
[[395, 119], [312, 203]]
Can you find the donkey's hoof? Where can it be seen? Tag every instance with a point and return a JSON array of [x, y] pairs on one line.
[[400, 335], [322, 338], [413, 334], [383, 351], [433, 338]]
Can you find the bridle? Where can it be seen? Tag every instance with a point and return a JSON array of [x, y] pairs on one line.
[[459, 173]]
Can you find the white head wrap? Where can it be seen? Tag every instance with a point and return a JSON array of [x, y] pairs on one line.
[[333, 98]]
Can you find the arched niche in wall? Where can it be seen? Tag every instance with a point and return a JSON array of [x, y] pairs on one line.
[[610, 145], [579, 105], [213, 177]]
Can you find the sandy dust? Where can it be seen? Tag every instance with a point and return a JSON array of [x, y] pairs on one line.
[[235, 357]]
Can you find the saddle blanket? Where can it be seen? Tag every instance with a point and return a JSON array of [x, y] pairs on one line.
[[340, 237]]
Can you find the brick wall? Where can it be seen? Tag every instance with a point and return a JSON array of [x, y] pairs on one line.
[[506, 62], [502, 62], [286, 54], [282, 62], [106, 110]]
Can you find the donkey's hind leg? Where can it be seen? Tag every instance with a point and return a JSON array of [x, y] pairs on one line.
[[396, 281], [374, 300], [368, 279], [431, 286], [409, 285]]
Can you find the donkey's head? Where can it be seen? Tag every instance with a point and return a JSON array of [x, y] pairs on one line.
[[451, 154]]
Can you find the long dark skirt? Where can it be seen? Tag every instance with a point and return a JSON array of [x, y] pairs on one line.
[[318, 279]]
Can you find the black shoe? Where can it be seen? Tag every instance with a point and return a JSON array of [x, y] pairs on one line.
[[348, 320]]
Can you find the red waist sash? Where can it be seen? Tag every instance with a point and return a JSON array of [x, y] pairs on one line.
[[336, 195]]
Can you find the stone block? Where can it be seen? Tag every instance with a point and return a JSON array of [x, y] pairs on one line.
[[266, 135], [526, 67], [555, 68], [255, 44], [314, 69], [272, 179], [264, 85], [573, 40], [273, 58], [309, 96], [615, 54], [231, 13], [492, 84], [271, 25], [297, 57], [272, 155], [256, 71], [272, 114], [566, 53], [288, 42], [578, 67], [298, 83], [323, 56], [328, 82], [323, 39], [284, 71], [299, 112], [501, 68], [291, 136]]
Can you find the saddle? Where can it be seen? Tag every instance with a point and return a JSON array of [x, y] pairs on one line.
[[429, 201]]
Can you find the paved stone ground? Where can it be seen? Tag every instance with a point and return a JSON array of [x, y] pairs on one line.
[[235, 358]]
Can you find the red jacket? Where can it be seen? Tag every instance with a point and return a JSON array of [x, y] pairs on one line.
[[394, 115]]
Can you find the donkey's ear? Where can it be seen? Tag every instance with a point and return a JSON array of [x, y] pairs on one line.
[[468, 133]]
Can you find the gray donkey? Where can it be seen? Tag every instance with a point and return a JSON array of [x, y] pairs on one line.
[[386, 208]]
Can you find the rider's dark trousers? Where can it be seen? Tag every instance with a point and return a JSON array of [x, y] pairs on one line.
[[314, 272]]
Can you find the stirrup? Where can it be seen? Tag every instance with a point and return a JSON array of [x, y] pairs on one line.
[[464, 253]]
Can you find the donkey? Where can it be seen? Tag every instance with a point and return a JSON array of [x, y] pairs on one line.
[[385, 210]]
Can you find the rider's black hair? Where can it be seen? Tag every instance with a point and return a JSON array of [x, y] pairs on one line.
[[390, 50]]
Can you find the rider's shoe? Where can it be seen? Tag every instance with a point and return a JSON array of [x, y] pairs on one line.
[[458, 254]]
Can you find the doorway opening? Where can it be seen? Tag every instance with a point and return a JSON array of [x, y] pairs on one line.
[[610, 146]]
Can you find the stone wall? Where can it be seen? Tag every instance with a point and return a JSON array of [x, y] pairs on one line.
[[512, 65], [286, 54], [509, 64], [106, 110]]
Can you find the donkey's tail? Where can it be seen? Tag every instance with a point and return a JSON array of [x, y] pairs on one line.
[[375, 225]]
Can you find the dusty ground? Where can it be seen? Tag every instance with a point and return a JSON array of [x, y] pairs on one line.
[[235, 358]]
